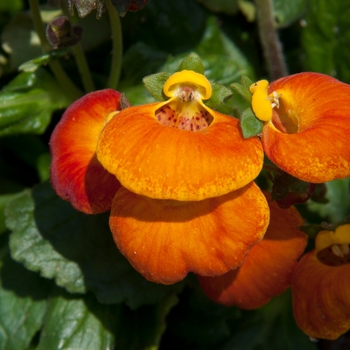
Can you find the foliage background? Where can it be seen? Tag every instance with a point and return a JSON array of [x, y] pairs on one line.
[[63, 283]]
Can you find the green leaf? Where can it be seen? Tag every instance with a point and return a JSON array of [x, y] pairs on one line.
[[75, 322], [27, 102], [287, 12], [22, 304], [75, 249], [220, 94], [338, 207], [4, 200], [246, 82], [192, 62], [242, 90], [250, 124], [154, 84], [35, 63], [325, 35]]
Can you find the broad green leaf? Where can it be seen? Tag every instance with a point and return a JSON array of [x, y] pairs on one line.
[[4, 199], [76, 322], [338, 207], [75, 249], [325, 37], [250, 124], [192, 62], [27, 102], [22, 304], [223, 60], [287, 12]]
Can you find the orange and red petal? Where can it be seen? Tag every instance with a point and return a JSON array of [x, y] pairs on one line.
[[163, 162], [165, 240], [76, 174], [267, 270], [321, 297], [316, 147]]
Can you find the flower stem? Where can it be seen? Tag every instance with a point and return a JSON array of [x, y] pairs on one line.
[[55, 66], [270, 42], [80, 57], [83, 68], [117, 39]]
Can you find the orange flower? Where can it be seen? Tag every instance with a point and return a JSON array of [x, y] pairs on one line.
[[187, 201], [267, 270], [306, 133], [320, 286], [179, 149]]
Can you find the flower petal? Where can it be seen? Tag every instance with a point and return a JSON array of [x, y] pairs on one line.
[[168, 163], [76, 174], [315, 110], [267, 269], [165, 240], [321, 297]]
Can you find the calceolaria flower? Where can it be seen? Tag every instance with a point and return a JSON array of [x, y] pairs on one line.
[[306, 125], [267, 270], [183, 196], [320, 286]]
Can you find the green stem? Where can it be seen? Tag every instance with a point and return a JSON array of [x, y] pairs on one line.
[[116, 29], [270, 42], [83, 68], [80, 57], [55, 66]]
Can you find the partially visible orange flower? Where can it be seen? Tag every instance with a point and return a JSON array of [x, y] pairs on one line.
[[187, 201], [307, 132], [321, 286], [76, 174], [267, 269]]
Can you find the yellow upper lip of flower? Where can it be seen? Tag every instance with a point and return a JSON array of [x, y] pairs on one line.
[[202, 89], [325, 238]]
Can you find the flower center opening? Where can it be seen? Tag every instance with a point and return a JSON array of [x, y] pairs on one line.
[[184, 111], [285, 120], [332, 247], [335, 255]]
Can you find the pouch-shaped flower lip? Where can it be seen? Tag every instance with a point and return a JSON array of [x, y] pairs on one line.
[[267, 270], [320, 286], [165, 240], [153, 155], [76, 174], [308, 134]]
